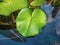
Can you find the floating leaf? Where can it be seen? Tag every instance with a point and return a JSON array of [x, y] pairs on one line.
[[30, 23], [37, 2], [8, 6]]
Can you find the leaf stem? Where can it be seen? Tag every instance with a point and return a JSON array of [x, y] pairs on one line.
[[51, 1]]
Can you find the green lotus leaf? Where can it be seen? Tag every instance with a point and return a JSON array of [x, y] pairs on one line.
[[29, 22], [37, 2], [8, 6]]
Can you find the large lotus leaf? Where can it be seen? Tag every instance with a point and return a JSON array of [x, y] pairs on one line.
[[37, 2], [30, 23], [8, 6]]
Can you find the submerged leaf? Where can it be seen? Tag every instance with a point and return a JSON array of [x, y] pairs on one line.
[[30, 23], [8, 6], [37, 2], [56, 2]]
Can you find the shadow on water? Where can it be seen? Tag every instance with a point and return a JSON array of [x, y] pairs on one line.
[[9, 34]]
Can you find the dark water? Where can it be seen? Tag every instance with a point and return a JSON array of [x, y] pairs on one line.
[[49, 36]]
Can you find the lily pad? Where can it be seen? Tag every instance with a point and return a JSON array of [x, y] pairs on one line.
[[8, 6], [29, 22], [37, 2]]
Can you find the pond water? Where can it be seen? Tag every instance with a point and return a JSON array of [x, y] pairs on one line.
[[49, 36]]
